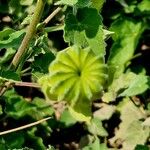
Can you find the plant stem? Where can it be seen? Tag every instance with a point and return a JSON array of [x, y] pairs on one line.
[[25, 126], [48, 19], [54, 28], [30, 33], [26, 84]]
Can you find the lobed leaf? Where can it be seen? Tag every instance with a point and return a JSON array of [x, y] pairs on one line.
[[85, 29], [76, 76]]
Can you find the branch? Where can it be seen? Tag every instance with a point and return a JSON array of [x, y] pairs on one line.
[[26, 84], [49, 18], [25, 126], [30, 33]]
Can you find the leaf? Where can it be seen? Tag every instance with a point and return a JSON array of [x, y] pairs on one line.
[[35, 141], [80, 116], [9, 142], [83, 3], [68, 76], [7, 56], [92, 143], [126, 37], [105, 112], [138, 86], [97, 43], [66, 2], [42, 62], [17, 107], [131, 131], [146, 122], [5, 33], [85, 29], [98, 4], [136, 134], [144, 6], [9, 75], [13, 40], [78, 3], [96, 128], [107, 33], [141, 147], [26, 2], [42, 106], [27, 20], [45, 87], [67, 119], [128, 84]]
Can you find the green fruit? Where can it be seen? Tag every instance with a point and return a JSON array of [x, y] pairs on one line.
[[77, 74]]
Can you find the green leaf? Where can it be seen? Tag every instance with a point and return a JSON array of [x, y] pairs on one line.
[[128, 84], [78, 3], [141, 147], [42, 62], [35, 141], [97, 43], [45, 87], [5, 33], [42, 106], [7, 56], [131, 131], [12, 40], [67, 2], [96, 128], [126, 37], [98, 4], [83, 3], [9, 75], [26, 2], [67, 119], [144, 6], [81, 116], [85, 29], [69, 74], [138, 85], [9, 142], [17, 107]]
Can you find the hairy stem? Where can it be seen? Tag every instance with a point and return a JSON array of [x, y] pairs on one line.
[[30, 33]]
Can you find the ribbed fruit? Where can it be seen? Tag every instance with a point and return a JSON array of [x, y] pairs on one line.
[[77, 74]]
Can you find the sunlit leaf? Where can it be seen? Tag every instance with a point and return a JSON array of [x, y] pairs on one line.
[[131, 131], [96, 128], [128, 84]]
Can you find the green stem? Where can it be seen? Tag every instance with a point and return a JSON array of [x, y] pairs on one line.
[[54, 28], [30, 33]]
